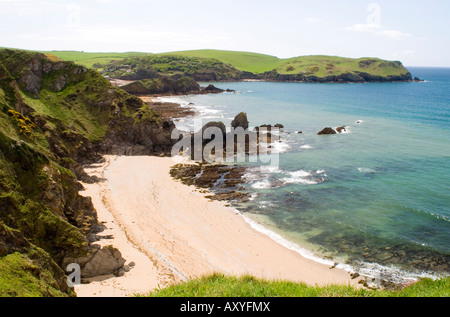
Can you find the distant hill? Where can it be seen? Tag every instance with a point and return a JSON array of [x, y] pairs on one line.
[[89, 59], [233, 65], [319, 66], [243, 61]]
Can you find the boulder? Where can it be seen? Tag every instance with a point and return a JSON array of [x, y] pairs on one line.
[[211, 89], [341, 129], [327, 131], [240, 121], [105, 261]]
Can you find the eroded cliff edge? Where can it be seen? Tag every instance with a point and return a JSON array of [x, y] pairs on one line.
[[55, 117]]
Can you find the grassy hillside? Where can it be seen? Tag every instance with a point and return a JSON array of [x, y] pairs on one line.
[[56, 116], [244, 61], [153, 66], [226, 65], [318, 65], [249, 287], [89, 59]]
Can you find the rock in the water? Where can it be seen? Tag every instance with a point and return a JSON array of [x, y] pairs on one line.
[[211, 89], [240, 121], [341, 129], [327, 131], [279, 126]]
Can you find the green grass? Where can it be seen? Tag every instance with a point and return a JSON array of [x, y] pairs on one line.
[[317, 65], [243, 61], [22, 277], [218, 285], [89, 59]]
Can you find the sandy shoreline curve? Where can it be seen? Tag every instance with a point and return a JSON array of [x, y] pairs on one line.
[[173, 233]]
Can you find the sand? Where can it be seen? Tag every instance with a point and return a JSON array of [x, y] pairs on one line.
[[173, 233]]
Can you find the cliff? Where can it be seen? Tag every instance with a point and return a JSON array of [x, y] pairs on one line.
[[318, 69], [54, 117], [165, 86]]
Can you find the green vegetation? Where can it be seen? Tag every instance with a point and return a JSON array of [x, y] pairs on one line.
[[55, 116], [243, 61], [218, 65], [323, 66], [90, 59], [153, 66], [219, 285], [28, 275], [320, 66]]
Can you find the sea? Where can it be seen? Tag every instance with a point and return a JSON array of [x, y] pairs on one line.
[[374, 199]]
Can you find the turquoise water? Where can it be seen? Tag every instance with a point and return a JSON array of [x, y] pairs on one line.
[[377, 197]]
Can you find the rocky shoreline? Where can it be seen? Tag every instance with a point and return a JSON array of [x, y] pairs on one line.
[[226, 183]]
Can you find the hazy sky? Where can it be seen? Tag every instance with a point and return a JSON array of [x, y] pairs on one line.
[[415, 32]]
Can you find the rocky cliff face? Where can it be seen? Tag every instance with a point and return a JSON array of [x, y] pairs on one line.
[[353, 77], [54, 117]]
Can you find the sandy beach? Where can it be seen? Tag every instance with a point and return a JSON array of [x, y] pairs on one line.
[[173, 233]]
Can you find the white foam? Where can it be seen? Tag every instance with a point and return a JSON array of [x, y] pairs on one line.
[[345, 131], [300, 173], [306, 147], [301, 177], [366, 170], [262, 184], [269, 169], [381, 272], [280, 147]]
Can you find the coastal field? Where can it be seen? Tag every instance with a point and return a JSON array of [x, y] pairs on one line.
[[317, 65], [244, 61], [89, 59]]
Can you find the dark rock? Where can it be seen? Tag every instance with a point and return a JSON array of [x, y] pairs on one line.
[[211, 89], [327, 131], [240, 121], [341, 129], [103, 261]]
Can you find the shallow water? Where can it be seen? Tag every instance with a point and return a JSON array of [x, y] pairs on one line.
[[376, 197]]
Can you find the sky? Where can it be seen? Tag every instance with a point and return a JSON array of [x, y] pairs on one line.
[[414, 32]]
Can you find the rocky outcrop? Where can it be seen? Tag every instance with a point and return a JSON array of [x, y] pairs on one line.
[[76, 116], [341, 129], [99, 262], [240, 121], [349, 77], [145, 137], [165, 86], [223, 182], [327, 131]]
